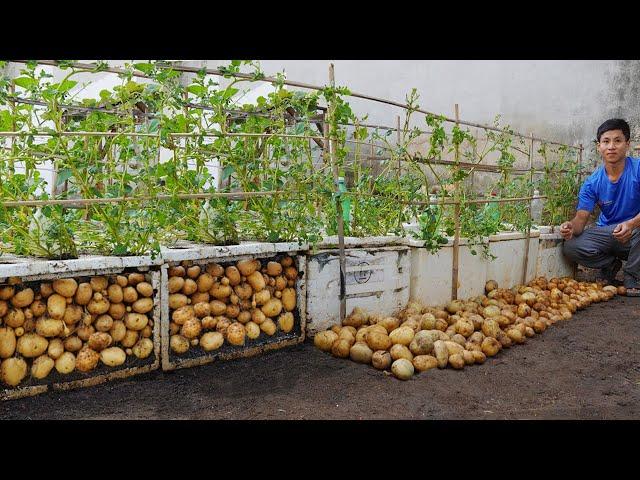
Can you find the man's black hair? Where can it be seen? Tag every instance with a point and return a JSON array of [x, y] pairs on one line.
[[614, 124]]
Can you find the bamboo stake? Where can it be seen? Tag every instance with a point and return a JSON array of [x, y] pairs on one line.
[[525, 263], [339, 218], [456, 238], [575, 265]]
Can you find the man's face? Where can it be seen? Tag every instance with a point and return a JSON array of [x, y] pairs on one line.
[[613, 146]]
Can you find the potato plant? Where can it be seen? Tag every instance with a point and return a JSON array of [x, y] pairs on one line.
[[74, 324], [237, 303], [463, 332]]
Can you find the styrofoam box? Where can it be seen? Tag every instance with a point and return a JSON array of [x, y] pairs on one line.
[[431, 273], [551, 262], [37, 269], [509, 248], [377, 280]]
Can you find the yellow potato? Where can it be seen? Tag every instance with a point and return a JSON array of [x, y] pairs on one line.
[[130, 338], [381, 359], [73, 314], [98, 306], [113, 356], [12, 371], [272, 308], [73, 344], [220, 292], [42, 366], [87, 359], [143, 348], [115, 293], [118, 331], [193, 271], [269, 327], [456, 361], [191, 328], [262, 297], [135, 278], [236, 334], [23, 298], [99, 341], [256, 280], [286, 322], [130, 295], [56, 306], [84, 294], [274, 269], [324, 340], [66, 287], [98, 284], [291, 273], [189, 287], [179, 344], [176, 271], [117, 311], [55, 348], [441, 353], [122, 281], [49, 327], [253, 330], [177, 300], [175, 284], [7, 342], [232, 311], [6, 292], [423, 363], [233, 274], [400, 351], [288, 299], [247, 267], [143, 305], [66, 363], [136, 321], [211, 341], [378, 341]]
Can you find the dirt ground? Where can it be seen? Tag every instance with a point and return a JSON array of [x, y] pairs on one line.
[[584, 368]]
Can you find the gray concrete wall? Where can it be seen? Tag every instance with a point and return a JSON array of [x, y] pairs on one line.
[[561, 100]]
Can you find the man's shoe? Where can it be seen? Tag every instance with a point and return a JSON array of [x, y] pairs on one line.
[[609, 274]]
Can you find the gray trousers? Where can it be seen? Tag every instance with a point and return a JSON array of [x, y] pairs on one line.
[[597, 248]]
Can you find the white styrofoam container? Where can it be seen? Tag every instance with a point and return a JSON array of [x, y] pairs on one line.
[[551, 262], [431, 273], [377, 280], [509, 248], [201, 254], [30, 269]]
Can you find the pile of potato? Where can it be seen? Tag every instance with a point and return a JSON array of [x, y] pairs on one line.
[[461, 333], [214, 304], [73, 324]]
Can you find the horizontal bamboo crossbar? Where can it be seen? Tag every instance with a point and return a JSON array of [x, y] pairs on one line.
[[183, 196], [212, 71]]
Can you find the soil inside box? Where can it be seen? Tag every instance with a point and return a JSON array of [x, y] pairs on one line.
[[587, 367]]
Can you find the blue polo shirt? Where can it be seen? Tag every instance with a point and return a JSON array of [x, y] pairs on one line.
[[619, 201]]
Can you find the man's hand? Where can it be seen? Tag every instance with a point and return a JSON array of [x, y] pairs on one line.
[[622, 232], [566, 230]]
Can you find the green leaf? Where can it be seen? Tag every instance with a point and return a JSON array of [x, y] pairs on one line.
[[196, 89], [229, 92], [65, 86], [144, 67], [63, 175], [25, 82], [227, 171]]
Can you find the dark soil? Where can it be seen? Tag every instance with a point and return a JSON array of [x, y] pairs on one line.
[[584, 368]]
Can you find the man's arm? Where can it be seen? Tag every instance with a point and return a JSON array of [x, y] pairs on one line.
[[624, 230], [575, 226]]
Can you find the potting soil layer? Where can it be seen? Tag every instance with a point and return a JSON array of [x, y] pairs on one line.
[[587, 367]]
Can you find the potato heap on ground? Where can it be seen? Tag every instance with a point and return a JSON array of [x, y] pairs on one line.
[[73, 324], [213, 304], [461, 333]]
